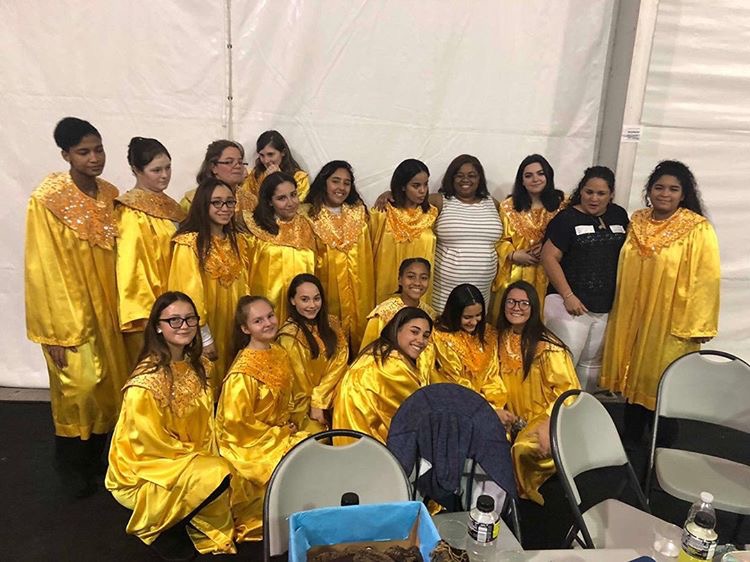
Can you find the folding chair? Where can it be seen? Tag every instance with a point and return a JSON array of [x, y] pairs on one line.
[[706, 391], [470, 420], [609, 507], [315, 474]]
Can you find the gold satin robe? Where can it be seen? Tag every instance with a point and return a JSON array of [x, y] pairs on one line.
[[345, 267], [248, 191], [460, 358], [667, 292], [164, 462], [71, 301], [521, 231], [275, 260], [187, 200], [398, 234], [215, 290], [382, 314], [254, 430], [552, 373], [371, 392], [146, 222], [315, 380]]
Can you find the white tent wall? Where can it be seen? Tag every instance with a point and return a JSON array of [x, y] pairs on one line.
[[371, 81], [696, 110]]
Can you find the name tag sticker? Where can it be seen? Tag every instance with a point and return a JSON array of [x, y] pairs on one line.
[[584, 229], [617, 228]]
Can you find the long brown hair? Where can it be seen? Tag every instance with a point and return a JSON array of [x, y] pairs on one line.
[[327, 334], [198, 220], [534, 331], [155, 353], [388, 341]]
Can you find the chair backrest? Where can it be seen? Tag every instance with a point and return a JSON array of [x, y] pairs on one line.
[[315, 474], [583, 437], [707, 386]]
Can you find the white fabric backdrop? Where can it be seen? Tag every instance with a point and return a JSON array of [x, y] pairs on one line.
[[696, 110], [373, 82]]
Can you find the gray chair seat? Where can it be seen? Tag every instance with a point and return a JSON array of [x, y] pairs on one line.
[[680, 473]]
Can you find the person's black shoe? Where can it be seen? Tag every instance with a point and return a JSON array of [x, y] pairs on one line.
[[174, 545]]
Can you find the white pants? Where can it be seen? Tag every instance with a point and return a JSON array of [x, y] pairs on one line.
[[584, 336]]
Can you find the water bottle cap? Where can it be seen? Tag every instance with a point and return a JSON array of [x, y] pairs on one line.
[[486, 503], [707, 497]]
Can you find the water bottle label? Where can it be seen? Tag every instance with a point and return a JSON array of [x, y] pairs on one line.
[[483, 532], [702, 549]]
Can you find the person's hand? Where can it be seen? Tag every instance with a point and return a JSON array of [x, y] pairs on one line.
[[318, 415], [57, 354], [701, 340], [536, 250], [210, 353], [574, 306], [506, 418], [382, 199], [524, 257], [271, 168], [542, 436]]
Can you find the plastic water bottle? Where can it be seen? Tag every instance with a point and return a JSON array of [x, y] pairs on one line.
[[483, 529], [699, 537]]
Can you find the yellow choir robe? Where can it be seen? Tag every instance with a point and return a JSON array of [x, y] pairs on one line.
[[521, 231], [146, 222], [164, 461], [215, 289], [315, 380], [382, 314], [71, 301], [667, 292], [460, 358], [187, 200], [274, 260], [552, 373], [398, 234], [248, 191], [254, 430], [371, 392], [345, 266]]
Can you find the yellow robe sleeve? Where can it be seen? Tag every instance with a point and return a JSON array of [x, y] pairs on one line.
[[695, 311], [143, 261], [370, 394], [187, 200], [303, 184], [185, 275], [57, 311]]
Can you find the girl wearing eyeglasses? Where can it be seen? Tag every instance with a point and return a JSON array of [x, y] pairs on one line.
[[342, 230], [254, 419], [209, 264], [145, 213], [281, 242], [164, 465], [318, 350], [224, 160], [536, 368], [403, 229], [466, 348], [274, 155], [525, 214]]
